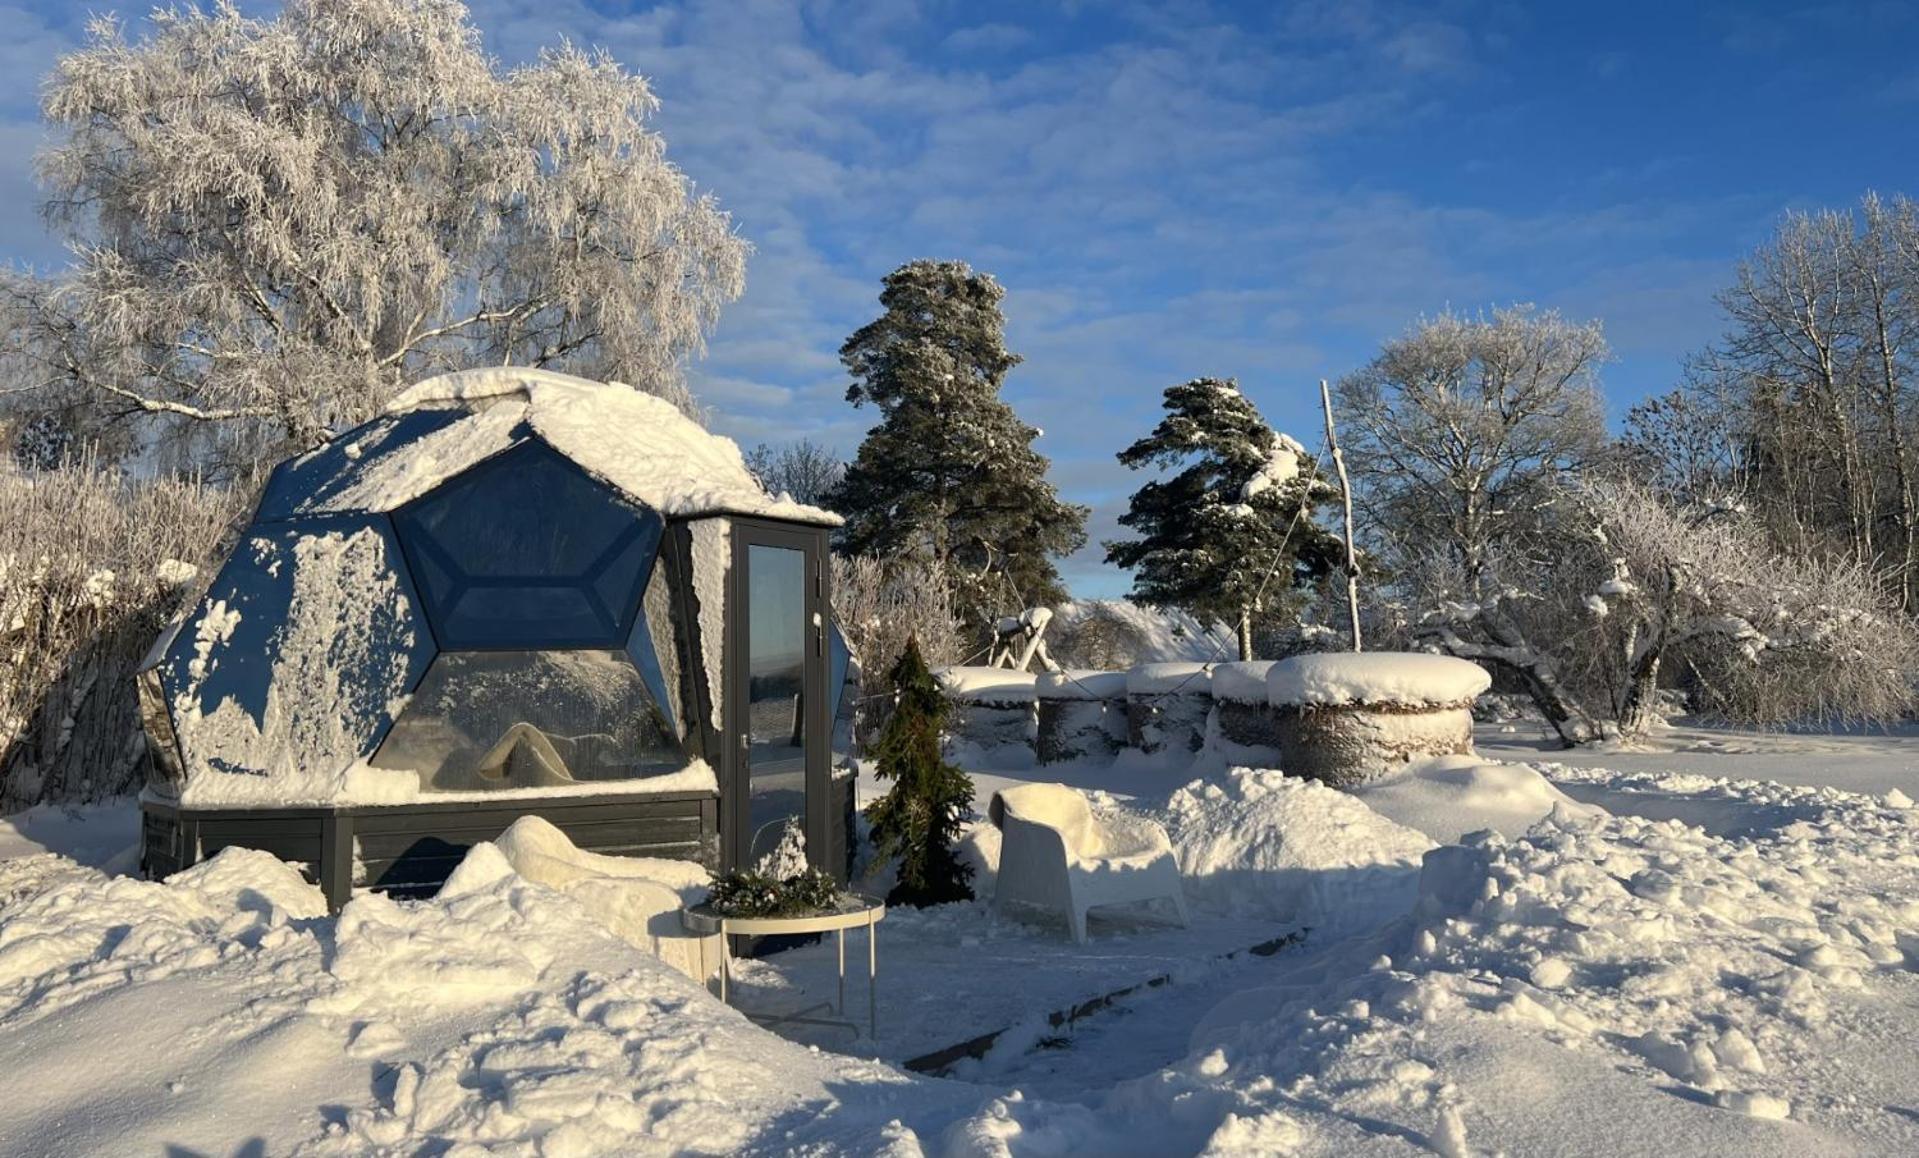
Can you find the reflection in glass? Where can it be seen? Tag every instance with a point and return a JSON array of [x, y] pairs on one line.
[[776, 666], [502, 720]]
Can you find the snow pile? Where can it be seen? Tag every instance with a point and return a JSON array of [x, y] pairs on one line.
[[637, 442], [104, 836], [1450, 796], [994, 686], [222, 1012], [1265, 844], [1375, 677], [1242, 682]]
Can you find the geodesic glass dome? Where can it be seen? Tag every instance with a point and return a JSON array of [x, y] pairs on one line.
[[471, 594]]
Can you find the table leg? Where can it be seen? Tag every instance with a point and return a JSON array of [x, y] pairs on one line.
[[872, 979], [726, 965], [840, 934]]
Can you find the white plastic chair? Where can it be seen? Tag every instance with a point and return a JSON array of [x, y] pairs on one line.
[[1055, 854]]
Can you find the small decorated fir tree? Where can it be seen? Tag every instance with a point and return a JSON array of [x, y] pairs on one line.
[[918, 820]]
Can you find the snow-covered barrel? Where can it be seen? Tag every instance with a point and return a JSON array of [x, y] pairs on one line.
[[1167, 705], [1082, 716], [993, 707], [1246, 717], [1347, 718]]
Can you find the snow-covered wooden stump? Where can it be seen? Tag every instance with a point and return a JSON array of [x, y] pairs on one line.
[[1167, 705], [1082, 716], [1345, 718], [1245, 716], [993, 708]]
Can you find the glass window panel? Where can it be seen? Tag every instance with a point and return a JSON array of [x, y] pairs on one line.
[[504, 720], [529, 513], [527, 550], [308, 484], [838, 658], [523, 616], [616, 584], [776, 667]]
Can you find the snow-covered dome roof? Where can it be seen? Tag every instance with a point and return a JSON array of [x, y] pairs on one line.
[[640, 444]]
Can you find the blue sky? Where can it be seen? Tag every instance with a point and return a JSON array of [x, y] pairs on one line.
[[1263, 191]]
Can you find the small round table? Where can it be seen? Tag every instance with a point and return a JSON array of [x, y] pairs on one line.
[[854, 911]]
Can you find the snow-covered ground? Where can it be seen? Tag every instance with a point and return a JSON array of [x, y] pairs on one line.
[[1707, 945]]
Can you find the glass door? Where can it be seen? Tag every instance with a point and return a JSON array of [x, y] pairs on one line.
[[779, 787]]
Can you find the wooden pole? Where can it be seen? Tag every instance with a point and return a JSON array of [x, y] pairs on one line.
[[1346, 493]]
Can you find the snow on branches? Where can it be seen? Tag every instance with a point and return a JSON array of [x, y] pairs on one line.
[[1771, 637], [1234, 526], [279, 222]]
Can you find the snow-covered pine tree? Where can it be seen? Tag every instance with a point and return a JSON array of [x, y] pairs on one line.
[[1240, 511], [948, 475], [918, 820]]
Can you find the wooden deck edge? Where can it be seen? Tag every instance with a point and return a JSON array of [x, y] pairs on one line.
[[939, 1061]]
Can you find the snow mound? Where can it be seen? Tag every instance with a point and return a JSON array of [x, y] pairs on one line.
[[1375, 677], [142, 1018], [248, 880], [1159, 679], [1081, 684], [638, 898], [637, 442], [1265, 844], [1449, 796], [1117, 633], [987, 685], [1243, 682]]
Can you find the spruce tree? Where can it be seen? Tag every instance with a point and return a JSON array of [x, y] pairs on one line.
[[948, 475], [918, 820], [1231, 534]]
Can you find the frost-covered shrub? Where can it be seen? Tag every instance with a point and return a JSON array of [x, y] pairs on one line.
[[879, 604], [1764, 637], [91, 567]]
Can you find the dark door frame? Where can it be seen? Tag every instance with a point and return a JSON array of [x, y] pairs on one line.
[[735, 774]]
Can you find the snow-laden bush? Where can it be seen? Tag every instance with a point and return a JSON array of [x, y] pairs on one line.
[[91, 567], [1765, 637]]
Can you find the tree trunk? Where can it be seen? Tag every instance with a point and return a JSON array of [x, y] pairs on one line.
[[1641, 710], [1510, 651], [1245, 631]]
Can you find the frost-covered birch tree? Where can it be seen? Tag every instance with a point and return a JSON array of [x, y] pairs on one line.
[[278, 222], [1813, 383], [1767, 637], [1233, 529], [1460, 431], [805, 470]]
